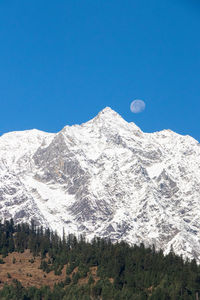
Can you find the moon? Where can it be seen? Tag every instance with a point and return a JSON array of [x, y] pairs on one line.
[[137, 106]]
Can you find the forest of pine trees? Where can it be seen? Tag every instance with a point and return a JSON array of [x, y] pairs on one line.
[[137, 272]]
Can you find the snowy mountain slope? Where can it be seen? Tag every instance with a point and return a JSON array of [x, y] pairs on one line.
[[105, 178]]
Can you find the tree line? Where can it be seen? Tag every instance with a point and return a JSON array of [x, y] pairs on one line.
[[124, 271]]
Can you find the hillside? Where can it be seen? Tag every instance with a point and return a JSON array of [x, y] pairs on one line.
[[37, 264]]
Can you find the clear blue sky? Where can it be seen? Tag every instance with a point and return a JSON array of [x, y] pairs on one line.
[[61, 62]]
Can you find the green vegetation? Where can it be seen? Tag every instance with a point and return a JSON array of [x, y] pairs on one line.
[[123, 272], [1, 261], [14, 260]]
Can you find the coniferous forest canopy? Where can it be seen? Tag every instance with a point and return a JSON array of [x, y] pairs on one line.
[[123, 271]]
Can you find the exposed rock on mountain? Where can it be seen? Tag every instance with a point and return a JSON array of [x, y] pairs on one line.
[[105, 178]]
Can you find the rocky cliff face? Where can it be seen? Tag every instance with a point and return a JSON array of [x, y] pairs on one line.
[[105, 178]]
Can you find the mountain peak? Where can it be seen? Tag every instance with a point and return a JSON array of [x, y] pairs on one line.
[[108, 118], [108, 112], [112, 118], [108, 109]]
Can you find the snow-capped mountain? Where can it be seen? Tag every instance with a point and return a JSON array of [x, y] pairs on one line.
[[105, 178]]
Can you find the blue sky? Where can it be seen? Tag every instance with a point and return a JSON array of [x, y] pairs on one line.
[[61, 62]]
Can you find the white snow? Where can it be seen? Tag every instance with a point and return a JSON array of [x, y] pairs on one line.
[[107, 178]]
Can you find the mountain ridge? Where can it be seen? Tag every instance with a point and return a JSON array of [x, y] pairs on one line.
[[106, 178]]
